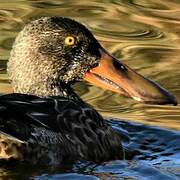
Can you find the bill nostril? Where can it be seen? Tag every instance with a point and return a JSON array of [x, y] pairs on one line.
[[119, 66]]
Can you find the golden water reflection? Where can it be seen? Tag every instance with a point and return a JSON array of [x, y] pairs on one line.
[[144, 34]]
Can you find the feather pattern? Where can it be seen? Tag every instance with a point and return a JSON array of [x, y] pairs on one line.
[[54, 129]]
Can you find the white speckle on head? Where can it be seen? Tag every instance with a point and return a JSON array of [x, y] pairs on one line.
[[30, 71]]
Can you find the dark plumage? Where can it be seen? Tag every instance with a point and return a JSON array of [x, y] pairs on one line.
[[55, 129], [59, 125], [44, 121]]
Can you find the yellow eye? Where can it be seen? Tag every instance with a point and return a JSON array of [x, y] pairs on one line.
[[69, 40]]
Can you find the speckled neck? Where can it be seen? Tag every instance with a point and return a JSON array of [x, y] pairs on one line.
[[41, 63], [32, 72]]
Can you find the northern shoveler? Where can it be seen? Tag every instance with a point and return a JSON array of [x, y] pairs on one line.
[[44, 120]]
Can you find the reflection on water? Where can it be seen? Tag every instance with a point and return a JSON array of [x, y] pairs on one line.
[[144, 34]]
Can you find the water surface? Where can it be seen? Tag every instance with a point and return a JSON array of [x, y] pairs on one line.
[[145, 35]]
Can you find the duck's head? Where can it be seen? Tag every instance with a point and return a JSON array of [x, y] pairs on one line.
[[51, 53]]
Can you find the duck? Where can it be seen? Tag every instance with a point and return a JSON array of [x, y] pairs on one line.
[[44, 121]]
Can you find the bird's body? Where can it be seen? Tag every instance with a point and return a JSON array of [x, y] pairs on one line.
[[44, 121], [55, 129]]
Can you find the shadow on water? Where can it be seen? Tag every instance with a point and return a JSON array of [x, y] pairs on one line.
[[144, 34]]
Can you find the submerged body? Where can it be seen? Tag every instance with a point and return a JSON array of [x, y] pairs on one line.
[[44, 121]]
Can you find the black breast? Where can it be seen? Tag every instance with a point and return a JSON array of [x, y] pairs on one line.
[[64, 127]]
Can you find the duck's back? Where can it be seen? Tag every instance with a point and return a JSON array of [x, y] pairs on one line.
[[54, 129]]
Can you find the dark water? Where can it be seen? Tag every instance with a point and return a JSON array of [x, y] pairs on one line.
[[146, 35]]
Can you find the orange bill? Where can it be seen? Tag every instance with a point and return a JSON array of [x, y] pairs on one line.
[[116, 76]]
